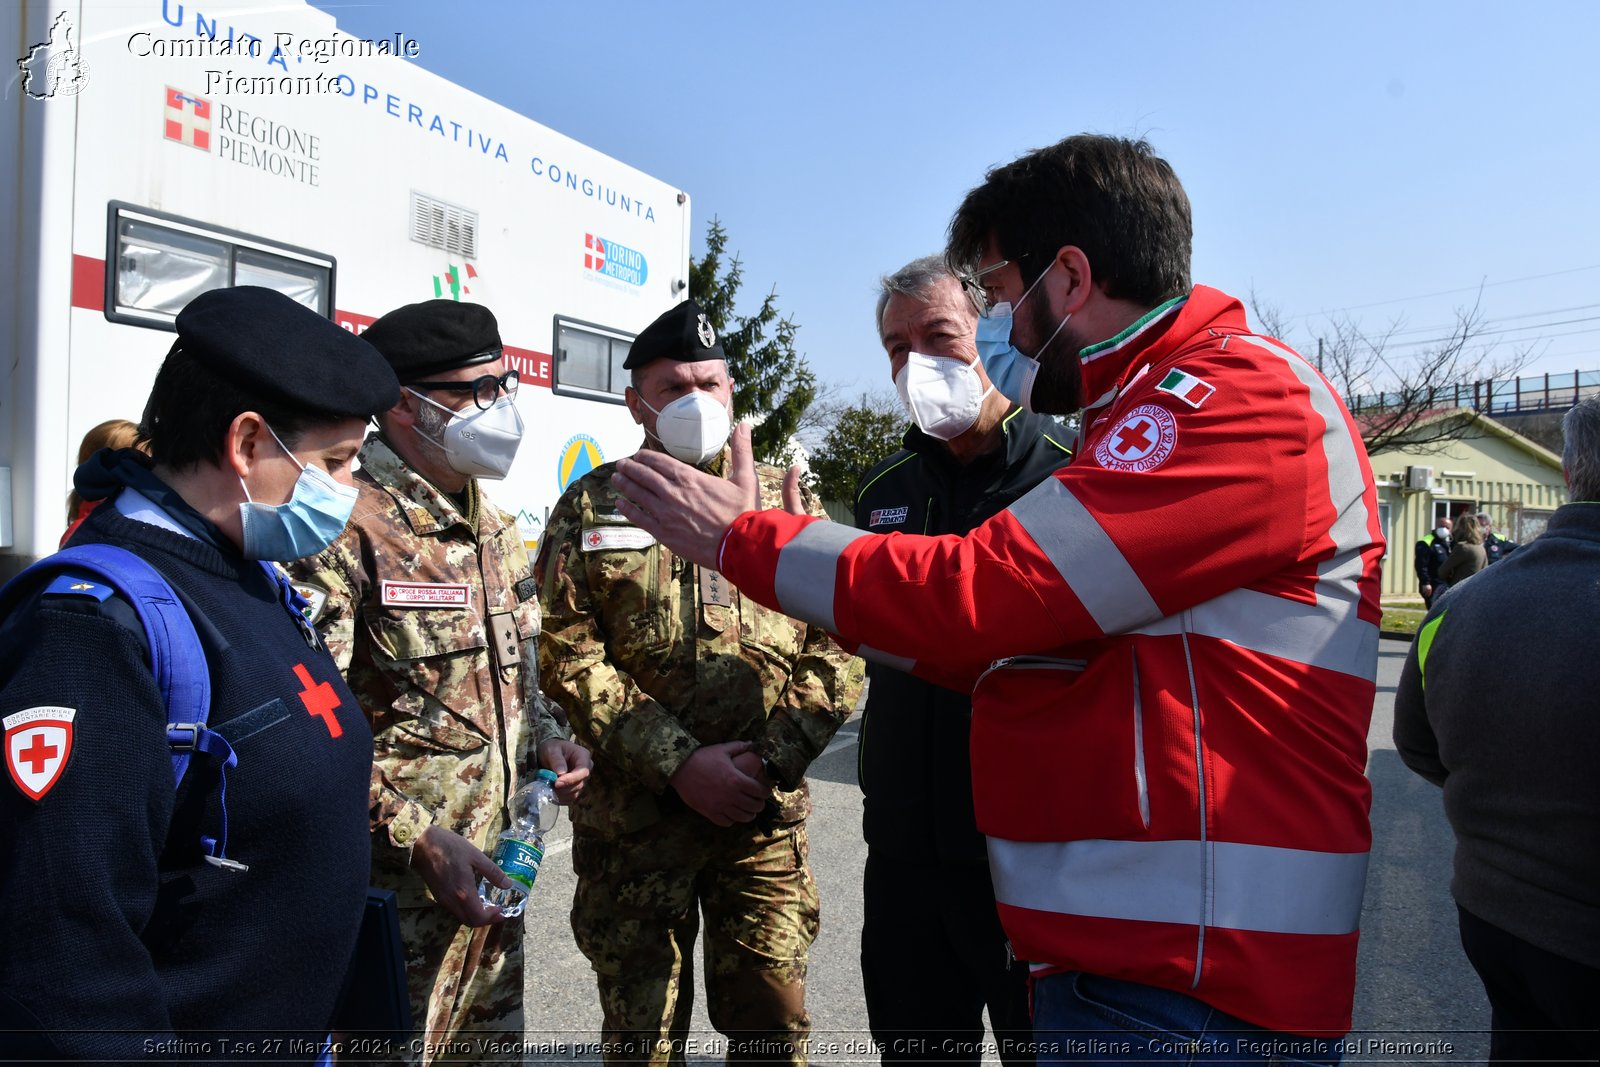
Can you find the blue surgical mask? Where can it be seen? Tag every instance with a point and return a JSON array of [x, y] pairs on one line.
[[1011, 372], [312, 518]]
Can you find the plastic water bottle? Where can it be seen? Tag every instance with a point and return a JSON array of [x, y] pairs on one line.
[[521, 847]]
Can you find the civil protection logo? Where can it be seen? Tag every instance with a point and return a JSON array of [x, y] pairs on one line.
[[580, 455]]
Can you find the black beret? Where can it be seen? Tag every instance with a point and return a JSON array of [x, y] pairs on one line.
[[683, 333], [435, 335], [272, 346]]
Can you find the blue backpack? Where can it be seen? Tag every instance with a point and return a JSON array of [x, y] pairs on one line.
[[178, 663], [177, 659]]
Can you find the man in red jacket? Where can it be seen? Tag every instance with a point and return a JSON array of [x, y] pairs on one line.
[[1171, 643]]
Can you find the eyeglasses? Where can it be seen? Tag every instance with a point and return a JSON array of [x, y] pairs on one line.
[[484, 390], [972, 284]]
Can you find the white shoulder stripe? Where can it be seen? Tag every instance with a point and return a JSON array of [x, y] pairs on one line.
[[1217, 883], [1085, 557], [808, 569]]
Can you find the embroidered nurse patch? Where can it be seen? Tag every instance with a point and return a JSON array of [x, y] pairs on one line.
[[1141, 441], [316, 599], [38, 742]]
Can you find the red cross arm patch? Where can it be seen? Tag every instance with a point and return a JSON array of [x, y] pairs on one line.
[[1140, 441], [38, 742]]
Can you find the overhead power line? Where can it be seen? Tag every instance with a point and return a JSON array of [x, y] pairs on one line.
[[1442, 292]]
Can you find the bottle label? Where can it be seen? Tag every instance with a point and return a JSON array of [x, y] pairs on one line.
[[519, 859]]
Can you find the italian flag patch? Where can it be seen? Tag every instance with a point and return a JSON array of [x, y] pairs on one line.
[[1186, 387]]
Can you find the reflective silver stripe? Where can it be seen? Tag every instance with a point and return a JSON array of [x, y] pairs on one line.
[[1085, 557], [1138, 747], [1346, 486], [1250, 887], [1339, 577], [807, 569], [899, 663], [1328, 634]]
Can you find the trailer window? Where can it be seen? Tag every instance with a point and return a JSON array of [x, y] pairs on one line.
[[589, 360], [160, 262]]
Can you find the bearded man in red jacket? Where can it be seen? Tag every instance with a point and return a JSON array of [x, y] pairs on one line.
[[1171, 643]]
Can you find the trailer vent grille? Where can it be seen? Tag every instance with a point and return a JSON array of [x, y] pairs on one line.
[[441, 225]]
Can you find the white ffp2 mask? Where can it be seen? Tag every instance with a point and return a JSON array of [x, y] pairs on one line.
[[942, 394], [693, 427]]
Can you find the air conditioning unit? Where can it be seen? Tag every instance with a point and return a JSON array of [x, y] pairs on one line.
[[1419, 479]]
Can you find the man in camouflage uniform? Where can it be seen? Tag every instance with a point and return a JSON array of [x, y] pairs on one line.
[[428, 604], [703, 711]]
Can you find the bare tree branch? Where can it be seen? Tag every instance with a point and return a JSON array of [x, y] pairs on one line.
[[1396, 396]]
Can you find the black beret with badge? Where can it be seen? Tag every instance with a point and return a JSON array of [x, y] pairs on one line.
[[435, 335], [274, 347], [683, 333]]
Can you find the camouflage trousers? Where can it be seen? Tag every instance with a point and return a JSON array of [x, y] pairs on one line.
[[636, 914], [463, 983]]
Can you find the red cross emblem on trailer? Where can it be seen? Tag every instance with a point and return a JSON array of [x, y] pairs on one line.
[[188, 119], [1140, 441], [38, 742]]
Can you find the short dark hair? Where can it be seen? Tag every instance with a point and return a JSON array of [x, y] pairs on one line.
[[1580, 449], [191, 407], [1112, 197]]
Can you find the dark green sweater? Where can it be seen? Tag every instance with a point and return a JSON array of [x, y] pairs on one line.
[[1508, 723]]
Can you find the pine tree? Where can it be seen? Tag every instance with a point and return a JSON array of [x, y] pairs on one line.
[[771, 380], [863, 435]]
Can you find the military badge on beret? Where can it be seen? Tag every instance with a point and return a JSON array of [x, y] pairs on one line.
[[703, 330]]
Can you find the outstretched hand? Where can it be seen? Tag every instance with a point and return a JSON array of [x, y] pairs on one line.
[[689, 510]]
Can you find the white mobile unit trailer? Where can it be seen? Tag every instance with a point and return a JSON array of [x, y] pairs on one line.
[[155, 149]]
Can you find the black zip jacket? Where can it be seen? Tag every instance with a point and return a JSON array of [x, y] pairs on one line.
[[914, 763]]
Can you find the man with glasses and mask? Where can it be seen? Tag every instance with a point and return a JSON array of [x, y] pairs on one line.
[[222, 912], [932, 962], [428, 604], [703, 710], [1171, 643]]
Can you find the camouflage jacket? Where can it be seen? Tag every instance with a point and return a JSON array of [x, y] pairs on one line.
[[653, 657], [434, 623]]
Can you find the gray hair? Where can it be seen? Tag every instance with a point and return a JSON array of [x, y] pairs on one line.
[[914, 279], [1580, 450]]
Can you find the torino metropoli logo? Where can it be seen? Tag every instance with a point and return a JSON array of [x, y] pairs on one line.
[[614, 260]]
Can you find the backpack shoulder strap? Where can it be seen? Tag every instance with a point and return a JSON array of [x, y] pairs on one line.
[[177, 658]]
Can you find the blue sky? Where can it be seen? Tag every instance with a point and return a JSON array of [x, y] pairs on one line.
[[1386, 158]]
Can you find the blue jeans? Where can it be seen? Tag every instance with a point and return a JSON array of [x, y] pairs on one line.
[[1084, 1018]]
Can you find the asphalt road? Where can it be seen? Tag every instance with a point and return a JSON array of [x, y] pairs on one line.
[[1417, 999]]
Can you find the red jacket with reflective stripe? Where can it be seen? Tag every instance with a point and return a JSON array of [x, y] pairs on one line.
[[1172, 647]]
